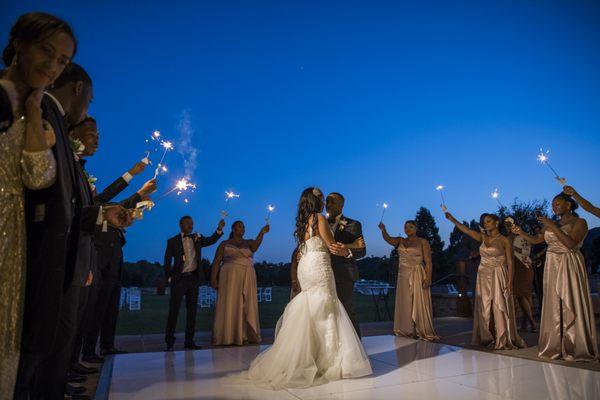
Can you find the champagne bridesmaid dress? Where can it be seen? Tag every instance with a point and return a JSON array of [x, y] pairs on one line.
[[236, 314], [568, 328], [413, 315], [494, 323]]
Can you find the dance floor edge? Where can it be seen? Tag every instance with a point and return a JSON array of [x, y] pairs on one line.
[[403, 369]]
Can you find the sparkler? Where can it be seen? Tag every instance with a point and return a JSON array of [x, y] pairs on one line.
[[385, 207], [228, 196], [182, 185], [440, 188], [544, 159], [496, 196], [270, 209], [167, 146]]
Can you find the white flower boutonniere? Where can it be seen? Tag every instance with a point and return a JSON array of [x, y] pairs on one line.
[[92, 181], [342, 224], [77, 146]]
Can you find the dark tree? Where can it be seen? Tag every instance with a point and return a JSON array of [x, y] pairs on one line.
[[427, 229]]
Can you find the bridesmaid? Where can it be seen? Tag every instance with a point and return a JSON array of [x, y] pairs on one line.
[[236, 313], [568, 328], [40, 46], [494, 323], [413, 315]]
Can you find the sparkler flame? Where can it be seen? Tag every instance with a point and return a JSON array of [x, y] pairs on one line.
[[439, 187], [270, 208], [542, 157], [231, 195], [495, 194], [183, 184]]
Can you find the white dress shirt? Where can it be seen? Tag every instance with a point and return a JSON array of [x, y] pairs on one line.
[[190, 260]]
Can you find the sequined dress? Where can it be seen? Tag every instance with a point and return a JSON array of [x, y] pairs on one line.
[[18, 170]]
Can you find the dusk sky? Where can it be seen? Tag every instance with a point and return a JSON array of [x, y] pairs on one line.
[[378, 100]]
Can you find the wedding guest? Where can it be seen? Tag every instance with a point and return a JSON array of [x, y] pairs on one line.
[[233, 275], [99, 303], [183, 271], [494, 323], [538, 258], [413, 315], [585, 204], [568, 326], [39, 47], [523, 279], [58, 220]]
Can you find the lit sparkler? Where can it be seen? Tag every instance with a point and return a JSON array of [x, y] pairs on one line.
[[544, 159], [270, 210], [228, 196], [440, 188]]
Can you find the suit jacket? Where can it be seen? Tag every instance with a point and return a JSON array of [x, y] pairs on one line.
[[109, 244], [347, 231], [111, 191], [54, 218], [175, 253]]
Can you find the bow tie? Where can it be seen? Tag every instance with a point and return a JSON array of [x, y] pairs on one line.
[[189, 235]]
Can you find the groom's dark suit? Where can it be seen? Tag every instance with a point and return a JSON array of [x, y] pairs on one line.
[[345, 269], [185, 283]]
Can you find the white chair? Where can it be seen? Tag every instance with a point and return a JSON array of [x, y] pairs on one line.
[[134, 299], [259, 294], [123, 298], [266, 295], [204, 297]]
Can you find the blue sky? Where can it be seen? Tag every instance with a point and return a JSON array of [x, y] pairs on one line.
[[381, 101]]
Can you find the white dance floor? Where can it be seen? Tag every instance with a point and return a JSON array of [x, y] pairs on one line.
[[403, 369]]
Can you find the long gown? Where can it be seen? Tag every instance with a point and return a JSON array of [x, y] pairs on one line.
[[315, 341], [566, 299], [493, 304], [236, 313], [413, 315], [18, 170]]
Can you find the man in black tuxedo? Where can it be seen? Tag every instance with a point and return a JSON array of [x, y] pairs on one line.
[[97, 299], [345, 231], [57, 261], [185, 276]]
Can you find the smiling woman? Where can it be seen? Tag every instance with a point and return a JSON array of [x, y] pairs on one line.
[[39, 47]]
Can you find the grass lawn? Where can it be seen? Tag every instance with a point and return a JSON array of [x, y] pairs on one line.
[[153, 316]]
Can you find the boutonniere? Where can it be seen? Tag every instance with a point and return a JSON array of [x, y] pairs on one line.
[[342, 224], [77, 146], [92, 181]]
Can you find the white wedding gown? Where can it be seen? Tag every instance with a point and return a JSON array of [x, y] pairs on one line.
[[315, 341]]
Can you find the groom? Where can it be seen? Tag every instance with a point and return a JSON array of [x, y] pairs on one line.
[[343, 260]]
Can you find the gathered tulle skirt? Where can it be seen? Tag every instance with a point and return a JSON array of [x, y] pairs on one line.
[[315, 341]]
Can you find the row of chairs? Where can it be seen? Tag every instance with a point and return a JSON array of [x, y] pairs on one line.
[[208, 296], [131, 297]]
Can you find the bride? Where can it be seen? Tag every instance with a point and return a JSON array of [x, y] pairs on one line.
[[314, 338]]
